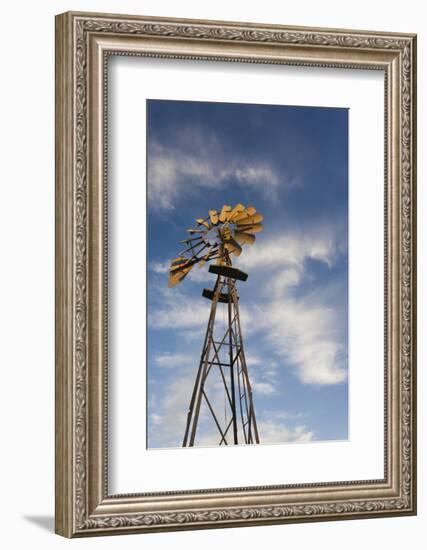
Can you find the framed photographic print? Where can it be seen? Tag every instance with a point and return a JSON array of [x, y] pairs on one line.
[[235, 274]]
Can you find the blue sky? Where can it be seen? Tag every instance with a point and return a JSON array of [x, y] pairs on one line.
[[291, 163]]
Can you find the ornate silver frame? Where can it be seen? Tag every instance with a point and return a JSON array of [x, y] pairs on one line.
[[83, 505]]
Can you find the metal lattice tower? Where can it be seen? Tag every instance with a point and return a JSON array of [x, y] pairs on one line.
[[242, 426], [217, 238]]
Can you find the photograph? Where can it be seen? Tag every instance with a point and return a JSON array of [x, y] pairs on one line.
[[247, 239]]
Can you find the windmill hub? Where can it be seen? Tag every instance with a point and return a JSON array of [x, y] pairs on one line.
[[212, 237], [216, 237]]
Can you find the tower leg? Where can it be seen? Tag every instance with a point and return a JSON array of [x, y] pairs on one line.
[[196, 397], [231, 355], [246, 405]]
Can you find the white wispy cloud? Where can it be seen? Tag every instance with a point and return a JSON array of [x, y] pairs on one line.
[[277, 415], [262, 374], [200, 274], [273, 432], [168, 424], [291, 249], [262, 388], [201, 160], [160, 267], [173, 360], [307, 336], [304, 330], [269, 432], [178, 311], [180, 317]]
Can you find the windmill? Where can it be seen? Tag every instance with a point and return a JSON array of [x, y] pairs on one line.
[[217, 238]]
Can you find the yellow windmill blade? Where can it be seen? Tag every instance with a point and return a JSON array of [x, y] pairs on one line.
[[233, 247], [201, 221], [256, 218], [213, 214], [237, 210], [244, 238], [178, 275], [225, 212], [174, 279], [254, 228], [250, 210], [178, 263]]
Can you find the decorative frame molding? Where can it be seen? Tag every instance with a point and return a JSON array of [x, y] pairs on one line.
[[83, 42]]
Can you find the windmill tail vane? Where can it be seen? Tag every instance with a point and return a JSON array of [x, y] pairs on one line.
[[218, 237]]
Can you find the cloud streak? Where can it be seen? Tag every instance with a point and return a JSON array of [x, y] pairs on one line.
[[177, 311], [309, 338], [304, 330], [173, 360], [273, 432], [291, 250], [201, 161]]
